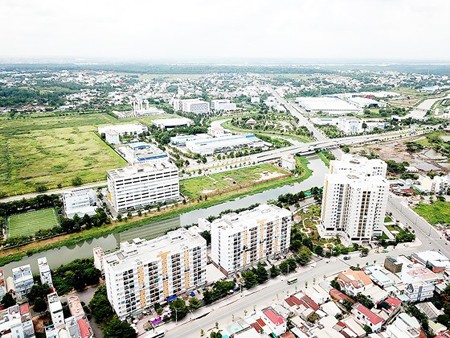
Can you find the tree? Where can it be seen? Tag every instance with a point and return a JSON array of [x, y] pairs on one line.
[[38, 291], [261, 274], [215, 335], [100, 307], [250, 279], [304, 256], [39, 305], [118, 329], [178, 308], [77, 181], [368, 329], [8, 301], [274, 271], [194, 303]]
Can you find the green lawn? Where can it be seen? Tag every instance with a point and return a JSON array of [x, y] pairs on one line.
[[215, 183], [28, 223], [438, 212]]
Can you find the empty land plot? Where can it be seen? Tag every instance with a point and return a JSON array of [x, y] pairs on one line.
[[219, 182], [438, 212], [28, 223], [54, 156]]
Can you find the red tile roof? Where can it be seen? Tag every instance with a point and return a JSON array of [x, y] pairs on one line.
[[287, 335], [293, 301], [257, 327], [273, 316], [372, 317], [85, 328], [392, 301], [260, 322], [338, 295], [312, 304], [24, 308]]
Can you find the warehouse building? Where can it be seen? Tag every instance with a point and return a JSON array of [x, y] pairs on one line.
[[79, 202], [225, 144], [327, 105], [169, 124], [195, 106], [141, 152]]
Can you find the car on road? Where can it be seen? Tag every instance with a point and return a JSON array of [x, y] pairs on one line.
[[346, 258], [362, 254]]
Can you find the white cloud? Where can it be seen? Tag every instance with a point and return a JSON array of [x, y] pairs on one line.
[[199, 29]]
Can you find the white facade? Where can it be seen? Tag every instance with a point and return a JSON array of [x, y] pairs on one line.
[[195, 106], [79, 202], [123, 129], [143, 184], [56, 310], [23, 280], [16, 320], [216, 131], [241, 240], [350, 126], [98, 258], [44, 272], [404, 326], [435, 185], [172, 123], [223, 144], [288, 162], [222, 105], [143, 272], [354, 199]]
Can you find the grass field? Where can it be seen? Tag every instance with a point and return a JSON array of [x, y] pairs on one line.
[[215, 183], [28, 223], [53, 150], [438, 212]]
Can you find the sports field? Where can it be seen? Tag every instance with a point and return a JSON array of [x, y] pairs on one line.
[[28, 223]]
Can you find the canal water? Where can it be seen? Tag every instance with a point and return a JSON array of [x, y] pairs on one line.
[[66, 254]]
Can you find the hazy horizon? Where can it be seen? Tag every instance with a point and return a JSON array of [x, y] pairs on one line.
[[176, 31]]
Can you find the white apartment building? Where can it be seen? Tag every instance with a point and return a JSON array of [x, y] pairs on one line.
[[98, 258], [44, 272], [222, 105], [55, 309], [354, 199], [143, 184], [435, 185], [15, 322], [195, 106], [143, 273], [240, 240], [23, 280], [79, 202]]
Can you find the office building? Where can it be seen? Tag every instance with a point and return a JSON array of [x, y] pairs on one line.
[[350, 125], [55, 309], [141, 185], [354, 199], [80, 202], [224, 144], [142, 273], [44, 272], [195, 106], [241, 240], [222, 105], [23, 280]]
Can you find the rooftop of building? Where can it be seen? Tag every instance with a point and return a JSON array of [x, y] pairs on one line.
[[147, 250], [325, 103], [241, 220], [75, 307], [357, 278], [173, 121], [434, 258], [371, 317], [273, 316], [141, 168]]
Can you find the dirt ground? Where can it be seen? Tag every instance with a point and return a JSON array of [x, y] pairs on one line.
[[426, 160]]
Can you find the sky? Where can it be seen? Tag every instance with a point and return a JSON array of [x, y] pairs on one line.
[[190, 30]]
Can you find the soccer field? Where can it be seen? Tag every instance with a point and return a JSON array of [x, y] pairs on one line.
[[28, 223]]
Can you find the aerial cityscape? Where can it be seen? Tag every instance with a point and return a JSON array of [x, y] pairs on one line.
[[189, 169]]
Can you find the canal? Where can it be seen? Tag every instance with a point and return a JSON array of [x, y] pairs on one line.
[[66, 254]]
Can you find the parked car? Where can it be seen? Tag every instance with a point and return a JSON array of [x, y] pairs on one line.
[[346, 258]]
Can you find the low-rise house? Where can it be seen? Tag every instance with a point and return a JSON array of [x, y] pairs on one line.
[[429, 310], [434, 260], [275, 323], [404, 326], [354, 281], [366, 317]]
